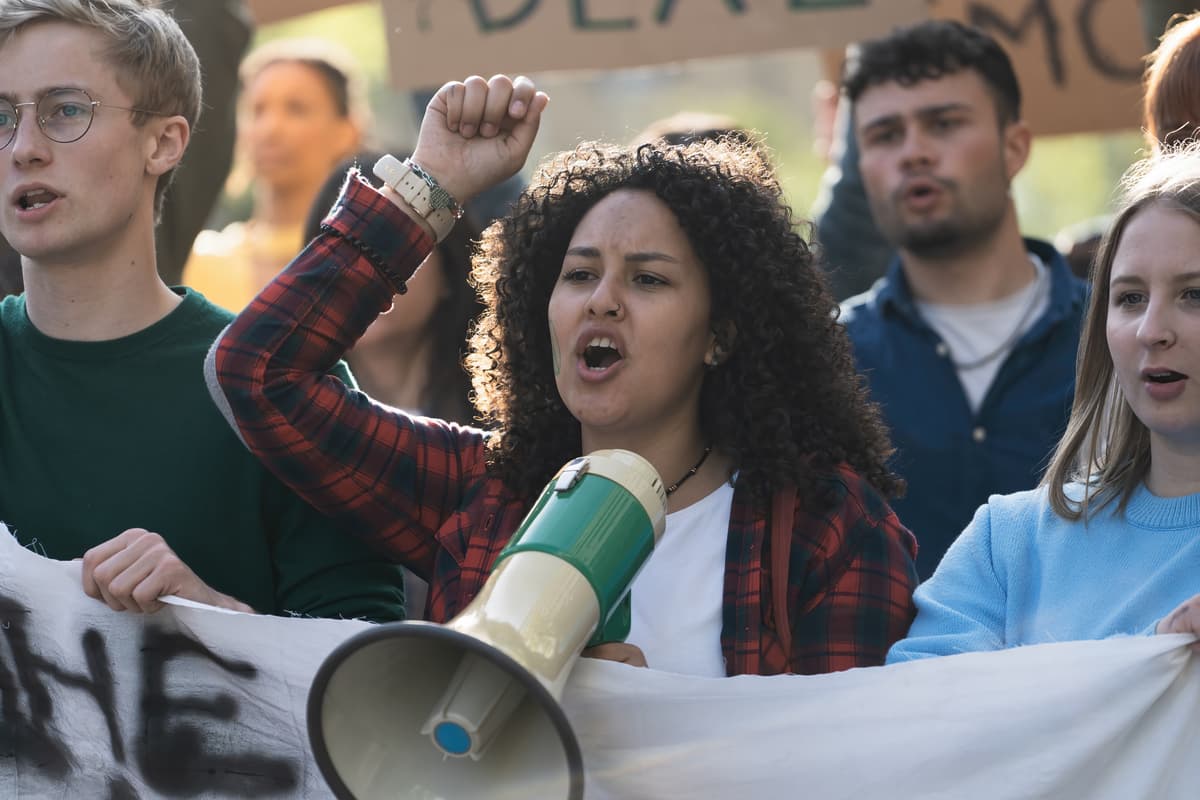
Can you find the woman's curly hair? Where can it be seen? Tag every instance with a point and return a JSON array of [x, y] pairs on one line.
[[786, 402]]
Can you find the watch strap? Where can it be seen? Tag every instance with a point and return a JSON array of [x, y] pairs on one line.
[[419, 189]]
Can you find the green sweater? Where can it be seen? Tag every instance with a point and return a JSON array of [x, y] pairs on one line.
[[99, 437]]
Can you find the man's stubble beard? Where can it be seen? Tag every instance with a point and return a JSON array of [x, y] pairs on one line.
[[958, 233]]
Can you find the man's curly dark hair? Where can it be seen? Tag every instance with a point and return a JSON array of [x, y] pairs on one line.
[[786, 402], [930, 50]]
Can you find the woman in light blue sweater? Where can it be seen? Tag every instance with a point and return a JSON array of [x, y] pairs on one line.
[[1109, 544]]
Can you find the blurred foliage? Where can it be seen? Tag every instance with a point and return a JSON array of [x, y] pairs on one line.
[[358, 27], [1071, 179], [1068, 179]]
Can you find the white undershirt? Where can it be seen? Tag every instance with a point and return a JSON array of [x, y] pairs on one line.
[[970, 332], [678, 597]]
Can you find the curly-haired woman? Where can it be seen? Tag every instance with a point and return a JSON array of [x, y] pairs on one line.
[[655, 300]]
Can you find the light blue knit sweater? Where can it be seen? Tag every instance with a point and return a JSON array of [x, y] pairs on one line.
[[1020, 574]]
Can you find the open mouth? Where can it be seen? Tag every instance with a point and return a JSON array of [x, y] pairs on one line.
[[921, 189], [600, 354], [35, 198], [1163, 376]]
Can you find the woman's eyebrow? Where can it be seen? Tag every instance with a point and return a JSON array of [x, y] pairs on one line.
[[586, 251], [650, 255]]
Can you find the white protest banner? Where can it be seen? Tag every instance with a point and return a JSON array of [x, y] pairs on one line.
[[196, 702], [188, 702], [1110, 720]]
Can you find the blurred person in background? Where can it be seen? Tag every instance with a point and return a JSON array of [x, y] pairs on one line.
[[1171, 108], [302, 111], [220, 32], [1157, 14], [1170, 111], [854, 254], [687, 127], [1079, 241], [968, 342], [412, 357], [824, 100]]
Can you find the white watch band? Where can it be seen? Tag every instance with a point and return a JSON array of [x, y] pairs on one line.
[[416, 192]]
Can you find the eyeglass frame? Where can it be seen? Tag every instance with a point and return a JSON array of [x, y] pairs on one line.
[[41, 121]]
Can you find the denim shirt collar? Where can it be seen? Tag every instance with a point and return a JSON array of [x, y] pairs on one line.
[[893, 294]]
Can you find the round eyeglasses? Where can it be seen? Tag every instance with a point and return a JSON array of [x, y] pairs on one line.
[[64, 115]]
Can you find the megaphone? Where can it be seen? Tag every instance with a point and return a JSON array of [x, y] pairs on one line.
[[470, 708]]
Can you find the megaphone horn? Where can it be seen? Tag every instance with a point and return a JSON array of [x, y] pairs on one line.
[[470, 708]]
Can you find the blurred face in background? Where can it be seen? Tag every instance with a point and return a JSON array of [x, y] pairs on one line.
[[291, 126], [412, 316], [937, 162]]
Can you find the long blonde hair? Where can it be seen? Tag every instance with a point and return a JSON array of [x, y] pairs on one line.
[[1106, 447]]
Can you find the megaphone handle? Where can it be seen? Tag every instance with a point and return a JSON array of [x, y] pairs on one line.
[[616, 627]]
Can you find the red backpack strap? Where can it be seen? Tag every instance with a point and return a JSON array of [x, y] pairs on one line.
[[783, 512]]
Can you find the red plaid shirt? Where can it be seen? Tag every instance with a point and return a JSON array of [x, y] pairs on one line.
[[423, 489]]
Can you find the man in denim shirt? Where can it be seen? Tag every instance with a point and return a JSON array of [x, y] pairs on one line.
[[968, 342]]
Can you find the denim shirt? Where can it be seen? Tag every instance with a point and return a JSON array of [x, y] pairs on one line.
[[954, 459]]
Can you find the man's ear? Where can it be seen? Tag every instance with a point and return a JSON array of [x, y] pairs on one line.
[[720, 343], [1018, 141], [166, 145]]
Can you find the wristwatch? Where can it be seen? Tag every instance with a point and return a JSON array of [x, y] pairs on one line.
[[421, 191]]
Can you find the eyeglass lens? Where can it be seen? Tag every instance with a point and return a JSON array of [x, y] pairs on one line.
[[64, 115]]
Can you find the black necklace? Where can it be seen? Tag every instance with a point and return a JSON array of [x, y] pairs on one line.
[[690, 472]]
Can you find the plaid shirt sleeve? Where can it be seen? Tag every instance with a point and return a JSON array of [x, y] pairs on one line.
[[853, 580], [371, 467]]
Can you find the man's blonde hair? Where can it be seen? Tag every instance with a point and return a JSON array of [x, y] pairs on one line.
[[154, 61]]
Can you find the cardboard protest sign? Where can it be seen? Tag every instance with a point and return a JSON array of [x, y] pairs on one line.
[[431, 43], [267, 11], [1079, 62]]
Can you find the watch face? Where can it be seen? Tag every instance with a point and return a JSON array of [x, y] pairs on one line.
[[390, 170]]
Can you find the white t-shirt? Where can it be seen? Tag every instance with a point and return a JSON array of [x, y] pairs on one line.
[[678, 597], [972, 333]]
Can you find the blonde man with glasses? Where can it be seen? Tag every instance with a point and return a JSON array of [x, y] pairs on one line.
[[110, 449]]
